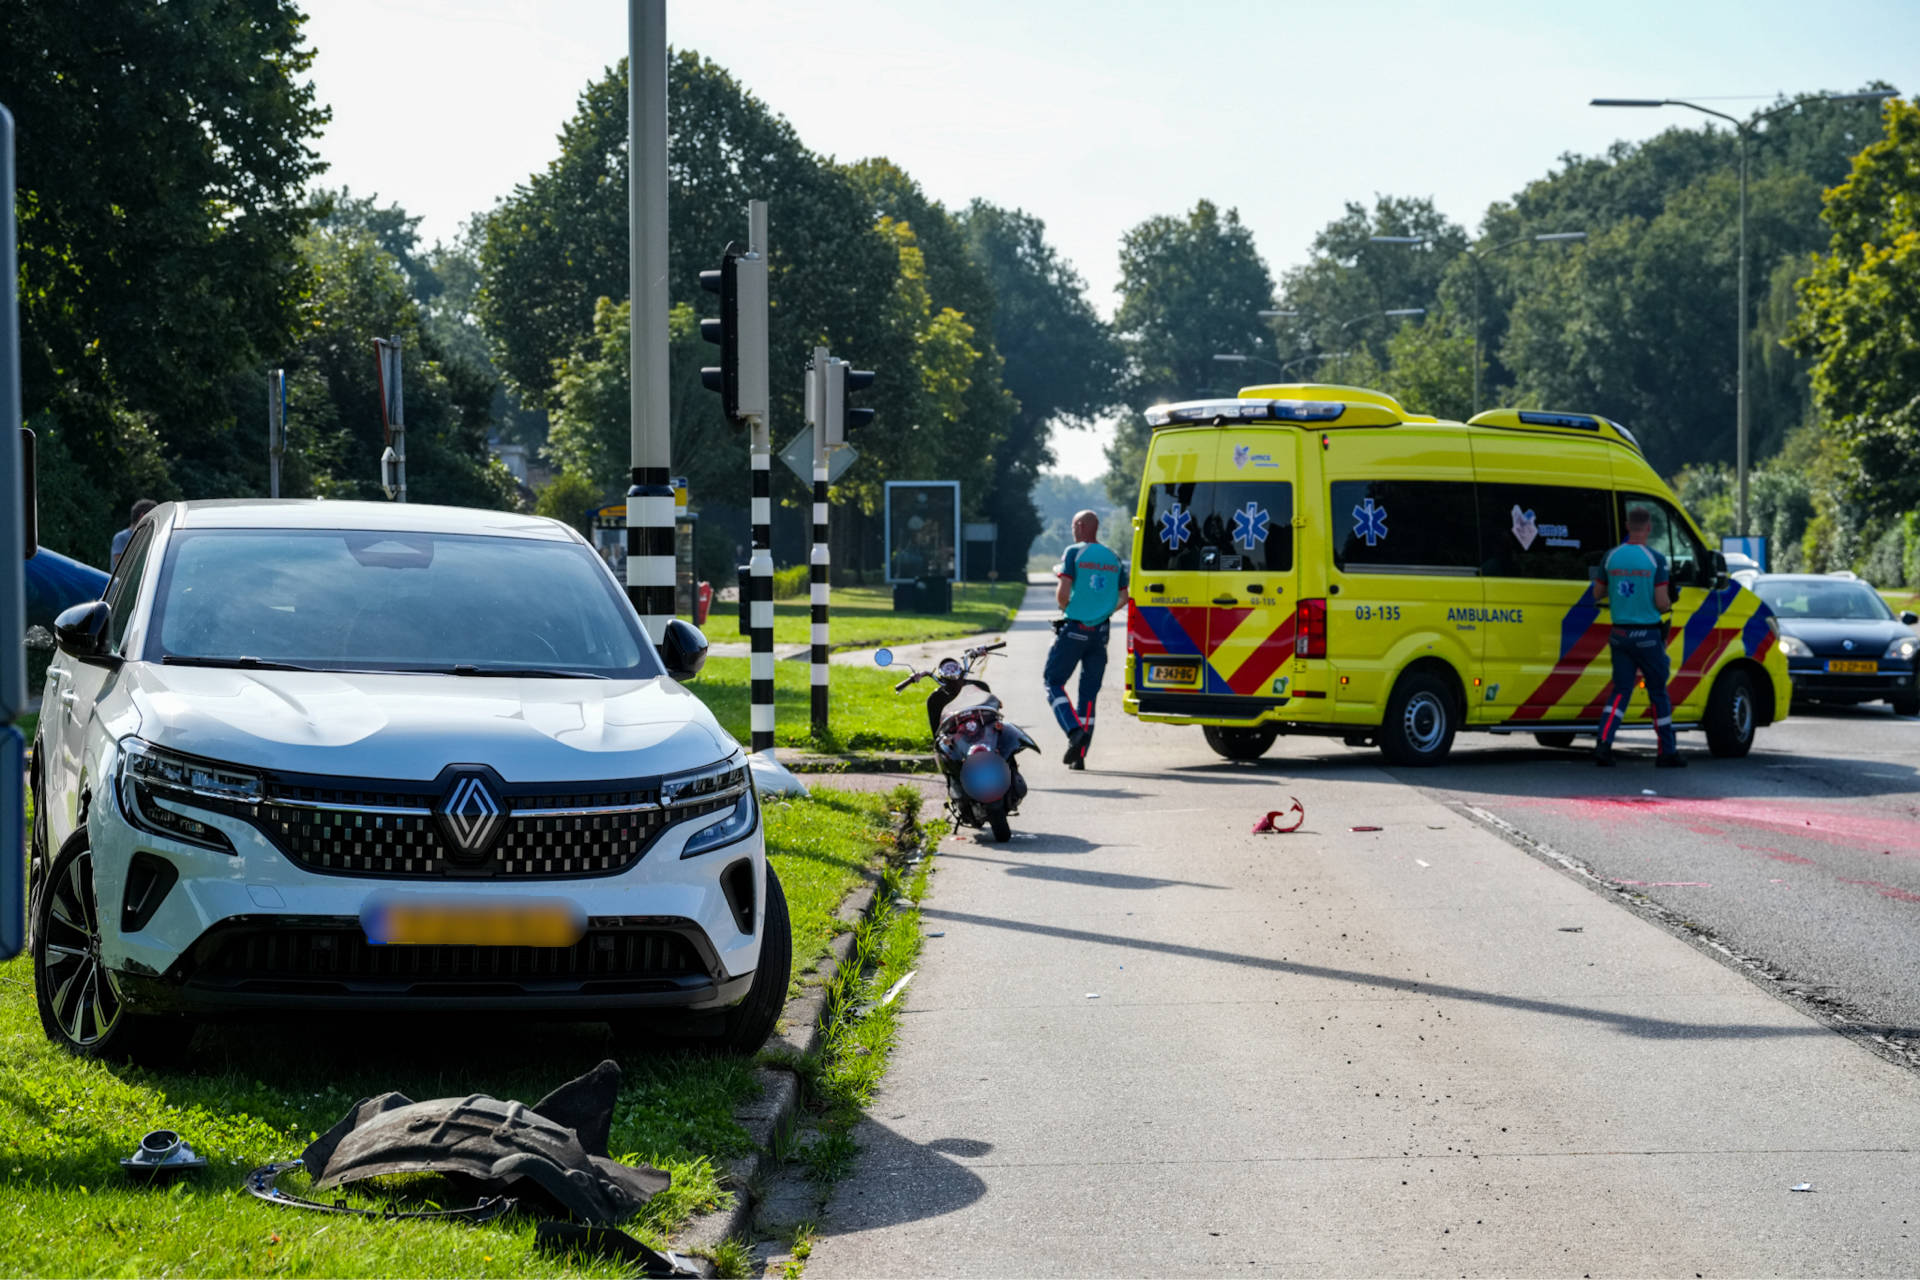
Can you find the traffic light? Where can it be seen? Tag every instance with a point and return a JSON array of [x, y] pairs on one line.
[[740, 332], [843, 419]]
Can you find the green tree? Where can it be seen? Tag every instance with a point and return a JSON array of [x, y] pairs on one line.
[[1063, 365], [1860, 323], [1190, 287], [1430, 367], [1339, 295], [163, 152]]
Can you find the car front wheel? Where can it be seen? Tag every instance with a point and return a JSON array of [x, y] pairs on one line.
[[749, 1023], [80, 1005]]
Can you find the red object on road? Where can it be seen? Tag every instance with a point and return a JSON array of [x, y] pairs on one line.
[[1366, 828], [702, 601], [1276, 821]]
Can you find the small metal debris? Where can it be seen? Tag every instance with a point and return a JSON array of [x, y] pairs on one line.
[[1573, 928], [897, 988], [938, 933], [1366, 828], [1648, 791], [1093, 995], [161, 1154], [1801, 1186]]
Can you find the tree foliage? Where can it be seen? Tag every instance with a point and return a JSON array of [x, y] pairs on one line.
[[1860, 320]]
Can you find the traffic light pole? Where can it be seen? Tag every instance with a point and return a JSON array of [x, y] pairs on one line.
[[818, 399], [650, 497], [14, 549], [760, 572]]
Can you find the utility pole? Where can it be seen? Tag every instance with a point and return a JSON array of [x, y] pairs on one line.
[[819, 398], [393, 419], [276, 427], [16, 500], [650, 567], [752, 316]]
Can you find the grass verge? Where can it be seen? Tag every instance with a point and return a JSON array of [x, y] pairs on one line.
[[864, 712], [863, 617], [259, 1091]]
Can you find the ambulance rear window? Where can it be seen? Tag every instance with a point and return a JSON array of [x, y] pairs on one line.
[[1236, 526]]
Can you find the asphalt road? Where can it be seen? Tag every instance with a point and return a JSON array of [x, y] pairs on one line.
[[1804, 856], [1144, 1041]]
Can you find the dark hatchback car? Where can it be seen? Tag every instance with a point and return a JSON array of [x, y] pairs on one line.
[[1842, 642]]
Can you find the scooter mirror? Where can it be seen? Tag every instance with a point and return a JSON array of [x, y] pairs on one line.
[[883, 657]]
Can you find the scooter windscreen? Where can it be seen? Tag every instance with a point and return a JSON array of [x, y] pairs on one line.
[[985, 775]]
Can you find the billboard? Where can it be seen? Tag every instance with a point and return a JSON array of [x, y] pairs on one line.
[[923, 529]]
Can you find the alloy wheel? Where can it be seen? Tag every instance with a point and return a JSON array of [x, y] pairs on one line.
[[80, 990]]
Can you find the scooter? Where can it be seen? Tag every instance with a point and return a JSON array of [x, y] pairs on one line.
[[975, 745]]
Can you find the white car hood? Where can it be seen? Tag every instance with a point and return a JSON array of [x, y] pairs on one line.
[[410, 727]]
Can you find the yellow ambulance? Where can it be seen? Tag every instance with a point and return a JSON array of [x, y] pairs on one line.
[[1316, 559]]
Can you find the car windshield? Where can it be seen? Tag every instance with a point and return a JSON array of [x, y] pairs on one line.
[[1800, 598], [356, 600]]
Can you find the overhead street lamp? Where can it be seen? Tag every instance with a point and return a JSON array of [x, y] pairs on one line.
[[1476, 257], [1744, 129]]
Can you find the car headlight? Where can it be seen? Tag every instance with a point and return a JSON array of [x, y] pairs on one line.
[[1794, 647], [726, 787], [1903, 648], [156, 788]]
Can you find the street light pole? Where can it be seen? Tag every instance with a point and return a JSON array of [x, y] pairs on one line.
[[1743, 130]]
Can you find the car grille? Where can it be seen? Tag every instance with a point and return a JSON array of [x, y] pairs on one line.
[[255, 956], [381, 834]]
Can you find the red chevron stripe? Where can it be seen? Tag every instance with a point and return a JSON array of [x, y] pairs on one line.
[[1565, 674], [1258, 669], [1694, 668]]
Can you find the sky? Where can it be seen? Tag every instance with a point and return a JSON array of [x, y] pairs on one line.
[[1095, 115]]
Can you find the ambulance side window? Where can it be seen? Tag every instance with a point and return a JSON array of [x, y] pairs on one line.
[[1249, 527], [1405, 526], [1170, 535], [1670, 537], [1543, 531]]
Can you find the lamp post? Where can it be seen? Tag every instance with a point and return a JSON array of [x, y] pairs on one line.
[[1475, 257], [1234, 357], [1372, 315], [1744, 129]]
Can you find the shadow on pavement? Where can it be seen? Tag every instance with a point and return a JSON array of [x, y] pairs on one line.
[[1626, 1023], [1092, 879], [910, 1181]]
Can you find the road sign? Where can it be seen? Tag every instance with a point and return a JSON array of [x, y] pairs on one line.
[[799, 458]]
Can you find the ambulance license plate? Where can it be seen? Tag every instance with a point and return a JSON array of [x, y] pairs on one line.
[[1174, 673], [1853, 666], [420, 920]]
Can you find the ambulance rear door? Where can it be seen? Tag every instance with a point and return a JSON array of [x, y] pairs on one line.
[[1546, 519], [1167, 619], [1248, 558]]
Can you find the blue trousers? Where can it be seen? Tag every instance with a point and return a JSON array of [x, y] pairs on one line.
[[1640, 651], [1076, 645]]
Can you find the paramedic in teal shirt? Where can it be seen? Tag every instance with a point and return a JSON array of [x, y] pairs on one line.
[[1633, 582], [1093, 585]]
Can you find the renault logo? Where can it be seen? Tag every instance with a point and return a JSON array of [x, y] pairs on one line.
[[1847, 645], [471, 814]]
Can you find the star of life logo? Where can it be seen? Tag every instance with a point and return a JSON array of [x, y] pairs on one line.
[[1250, 525], [1176, 527], [1370, 522]]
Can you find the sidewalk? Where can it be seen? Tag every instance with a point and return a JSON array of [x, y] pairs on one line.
[[1152, 1043]]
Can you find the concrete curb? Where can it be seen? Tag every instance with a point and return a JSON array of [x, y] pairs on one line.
[[764, 1116]]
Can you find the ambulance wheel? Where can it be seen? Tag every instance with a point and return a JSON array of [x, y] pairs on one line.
[[1731, 716], [1559, 739], [1239, 744], [1421, 720]]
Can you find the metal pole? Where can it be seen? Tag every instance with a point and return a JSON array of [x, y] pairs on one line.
[[399, 425], [818, 383], [1740, 387], [13, 589], [760, 617], [1475, 260], [650, 568], [276, 427]]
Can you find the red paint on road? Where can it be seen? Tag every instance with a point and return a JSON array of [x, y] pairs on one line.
[[1884, 890], [1779, 855], [1847, 828]]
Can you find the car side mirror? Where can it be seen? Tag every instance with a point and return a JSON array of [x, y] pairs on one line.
[[1713, 573], [1910, 617], [684, 649], [81, 633]]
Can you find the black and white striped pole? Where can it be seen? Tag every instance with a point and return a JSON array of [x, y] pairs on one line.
[[755, 408], [819, 415], [650, 498]]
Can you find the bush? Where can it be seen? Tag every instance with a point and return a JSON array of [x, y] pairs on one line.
[[792, 582], [1886, 564], [1911, 524], [569, 496]]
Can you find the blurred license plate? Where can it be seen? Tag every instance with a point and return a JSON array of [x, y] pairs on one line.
[[1853, 665], [416, 920], [1180, 673]]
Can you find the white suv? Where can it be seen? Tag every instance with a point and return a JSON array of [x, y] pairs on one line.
[[343, 756]]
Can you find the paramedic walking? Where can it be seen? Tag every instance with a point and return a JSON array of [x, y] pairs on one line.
[[1093, 584], [1633, 582]]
